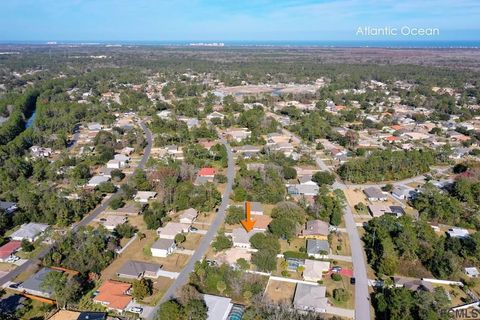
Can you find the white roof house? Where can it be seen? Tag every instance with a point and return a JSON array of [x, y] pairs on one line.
[[314, 270], [96, 180], [188, 216], [241, 238], [114, 164], [162, 247], [111, 222], [309, 297], [144, 196], [171, 229], [458, 233], [218, 307], [29, 231], [215, 115], [472, 272]]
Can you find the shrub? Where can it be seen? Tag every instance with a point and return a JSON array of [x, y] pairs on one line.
[[336, 277], [340, 294]]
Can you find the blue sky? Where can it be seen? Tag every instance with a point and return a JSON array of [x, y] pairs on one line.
[[168, 20]]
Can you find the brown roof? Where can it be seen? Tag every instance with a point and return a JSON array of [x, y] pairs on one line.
[[316, 227], [261, 222], [113, 293]]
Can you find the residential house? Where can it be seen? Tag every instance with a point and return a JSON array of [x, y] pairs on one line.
[[144, 196], [319, 249], [238, 134], [309, 297], [218, 307], [62, 314], [230, 256], [256, 208], [207, 172], [403, 192], [248, 151], [413, 284], [472, 272], [114, 295], [215, 115], [33, 285], [40, 152], [9, 249], [315, 269], [191, 122], [458, 233], [139, 269], [8, 207], [111, 222], [29, 231], [130, 209], [96, 180], [171, 229], [163, 247], [241, 238], [374, 194], [261, 223], [94, 127], [315, 229], [302, 189], [114, 164], [188, 216]]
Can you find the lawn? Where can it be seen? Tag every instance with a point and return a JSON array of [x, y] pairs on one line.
[[139, 250], [345, 284], [192, 242], [294, 245], [280, 292], [354, 196]]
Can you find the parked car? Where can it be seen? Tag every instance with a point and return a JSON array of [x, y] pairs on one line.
[[193, 229], [352, 280], [135, 310], [336, 269], [12, 259]]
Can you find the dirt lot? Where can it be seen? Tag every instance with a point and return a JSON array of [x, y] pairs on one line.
[[280, 292], [342, 240], [354, 196], [7, 266]]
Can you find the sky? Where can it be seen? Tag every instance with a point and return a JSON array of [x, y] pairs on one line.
[[234, 20]]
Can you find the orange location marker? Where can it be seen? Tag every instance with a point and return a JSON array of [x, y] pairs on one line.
[[248, 223]]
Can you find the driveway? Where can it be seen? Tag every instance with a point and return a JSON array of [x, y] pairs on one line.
[[208, 238]]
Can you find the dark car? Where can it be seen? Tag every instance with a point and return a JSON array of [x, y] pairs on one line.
[[352, 280]]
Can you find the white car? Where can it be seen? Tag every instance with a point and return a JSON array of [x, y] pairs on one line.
[[12, 259], [135, 310]]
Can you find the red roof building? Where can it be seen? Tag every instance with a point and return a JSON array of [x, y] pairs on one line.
[[8, 249], [113, 295], [206, 172]]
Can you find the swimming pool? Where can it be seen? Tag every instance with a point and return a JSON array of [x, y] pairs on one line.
[[236, 313]]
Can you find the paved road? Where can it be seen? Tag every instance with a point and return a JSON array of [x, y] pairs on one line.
[[208, 238], [93, 215], [362, 298]]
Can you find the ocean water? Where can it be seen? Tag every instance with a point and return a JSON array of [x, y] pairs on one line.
[[266, 43]]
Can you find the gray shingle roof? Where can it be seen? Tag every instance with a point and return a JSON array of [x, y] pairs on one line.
[[137, 268]]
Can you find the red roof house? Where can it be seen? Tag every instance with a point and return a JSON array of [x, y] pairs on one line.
[[113, 295], [8, 249], [207, 172]]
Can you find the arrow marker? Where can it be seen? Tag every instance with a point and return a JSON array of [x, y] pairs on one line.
[[247, 223]]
